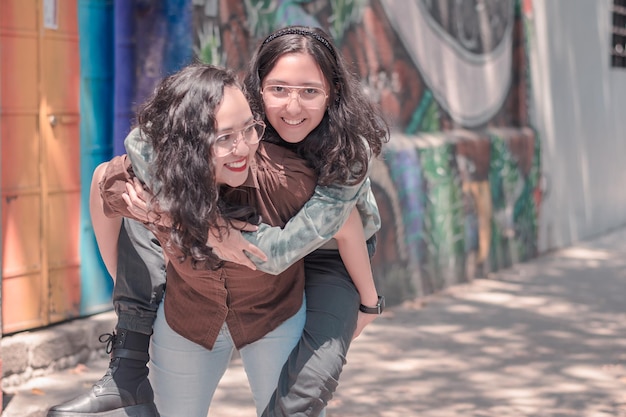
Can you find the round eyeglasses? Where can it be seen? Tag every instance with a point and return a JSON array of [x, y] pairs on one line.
[[280, 95], [251, 134]]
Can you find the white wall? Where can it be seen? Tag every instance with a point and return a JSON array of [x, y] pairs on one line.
[[579, 109]]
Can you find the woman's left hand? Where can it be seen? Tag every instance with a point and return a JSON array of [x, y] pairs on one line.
[[363, 320]]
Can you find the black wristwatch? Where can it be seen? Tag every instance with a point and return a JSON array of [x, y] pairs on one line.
[[378, 309]]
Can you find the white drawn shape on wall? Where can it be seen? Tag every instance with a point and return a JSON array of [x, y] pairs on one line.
[[471, 86]]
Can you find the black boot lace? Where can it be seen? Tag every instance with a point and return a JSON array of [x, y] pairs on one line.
[[109, 339]]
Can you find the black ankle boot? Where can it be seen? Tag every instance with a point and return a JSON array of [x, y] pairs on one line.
[[124, 390]]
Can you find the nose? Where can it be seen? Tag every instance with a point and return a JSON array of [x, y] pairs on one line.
[[293, 102], [238, 149]]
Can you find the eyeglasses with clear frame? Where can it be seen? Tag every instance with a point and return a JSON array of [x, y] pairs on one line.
[[276, 95], [252, 133]]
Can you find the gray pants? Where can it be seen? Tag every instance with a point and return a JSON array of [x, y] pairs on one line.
[[310, 376]]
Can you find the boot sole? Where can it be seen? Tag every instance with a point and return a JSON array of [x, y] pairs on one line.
[[141, 410]]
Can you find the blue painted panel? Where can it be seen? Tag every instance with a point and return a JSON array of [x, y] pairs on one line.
[[124, 35], [95, 26]]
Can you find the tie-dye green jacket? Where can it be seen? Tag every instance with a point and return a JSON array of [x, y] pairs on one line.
[[311, 228]]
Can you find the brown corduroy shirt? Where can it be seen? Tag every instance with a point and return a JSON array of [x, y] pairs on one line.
[[252, 303]]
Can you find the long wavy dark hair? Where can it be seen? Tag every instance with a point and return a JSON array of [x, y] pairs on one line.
[[335, 148], [179, 122]]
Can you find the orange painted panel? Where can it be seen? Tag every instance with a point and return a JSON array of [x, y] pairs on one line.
[[64, 293], [61, 76], [63, 255], [21, 303], [24, 268], [20, 150], [19, 14], [20, 66], [21, 231], [63, 230], [63, 153], [22, 282], [60, 134]]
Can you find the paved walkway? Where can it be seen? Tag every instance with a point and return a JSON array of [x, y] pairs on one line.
[[546, 338]]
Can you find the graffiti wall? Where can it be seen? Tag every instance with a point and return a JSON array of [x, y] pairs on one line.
[[458, 184]]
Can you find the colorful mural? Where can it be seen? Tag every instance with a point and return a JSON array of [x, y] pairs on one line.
[[458, 184]]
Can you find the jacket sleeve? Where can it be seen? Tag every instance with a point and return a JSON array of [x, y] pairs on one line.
[[140, 153], [315, 224], [113, 184]]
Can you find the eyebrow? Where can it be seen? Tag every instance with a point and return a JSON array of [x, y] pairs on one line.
[[307, 84], [232, 129]]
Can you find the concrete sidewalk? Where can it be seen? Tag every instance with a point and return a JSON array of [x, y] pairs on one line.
[[545, 338]]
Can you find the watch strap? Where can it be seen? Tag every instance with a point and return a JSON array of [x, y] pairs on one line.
[[377, 309]]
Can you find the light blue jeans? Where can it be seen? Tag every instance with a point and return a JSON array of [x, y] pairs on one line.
[[184, 375]]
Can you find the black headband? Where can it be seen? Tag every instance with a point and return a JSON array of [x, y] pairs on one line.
[[293, 31]]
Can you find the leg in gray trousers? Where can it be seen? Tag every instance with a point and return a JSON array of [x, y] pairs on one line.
[[125, 390], [310, 376], [140, 280]]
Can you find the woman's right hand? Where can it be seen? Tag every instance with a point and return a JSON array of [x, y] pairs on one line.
[[231, 245], [363, 320], [136, 198]]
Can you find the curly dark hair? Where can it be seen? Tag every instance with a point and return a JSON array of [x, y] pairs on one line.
[[179, 122], [335, 148]]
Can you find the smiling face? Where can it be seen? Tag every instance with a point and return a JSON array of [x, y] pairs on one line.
[[294, 118], [233, 114]]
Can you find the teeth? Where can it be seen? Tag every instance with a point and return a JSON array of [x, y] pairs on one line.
[[293, 122], [238, 164]]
